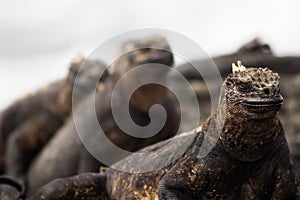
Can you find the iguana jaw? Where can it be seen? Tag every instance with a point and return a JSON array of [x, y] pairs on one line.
[[263, 105], [158, 56]]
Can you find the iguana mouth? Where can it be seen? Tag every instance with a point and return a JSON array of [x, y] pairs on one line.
[[165, 59], [263, 105]]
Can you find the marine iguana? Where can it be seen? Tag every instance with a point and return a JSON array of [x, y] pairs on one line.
[[65, 155], [258, 53], [250, 159], [28, 124]]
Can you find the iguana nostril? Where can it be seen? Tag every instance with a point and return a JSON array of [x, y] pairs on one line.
[[267, 91]]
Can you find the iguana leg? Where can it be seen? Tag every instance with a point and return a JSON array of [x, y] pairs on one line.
[[183, 184], [27, 140], [286, 183], [6, 180], [84, 186]]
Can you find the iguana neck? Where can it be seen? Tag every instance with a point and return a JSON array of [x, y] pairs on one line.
[[57, 98], [244, 137], [146, 95]]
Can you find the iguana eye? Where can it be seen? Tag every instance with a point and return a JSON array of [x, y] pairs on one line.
[[243, 87], [146, 49]]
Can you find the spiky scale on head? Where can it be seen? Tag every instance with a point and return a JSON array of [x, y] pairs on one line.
[[155, 42], [152, 49], [244, 81], [250, 97], [238, 68]]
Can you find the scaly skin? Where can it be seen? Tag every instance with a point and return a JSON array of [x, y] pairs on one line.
[[29, 123], [149, 50], [250, 159], [66, 150], [257, 53]]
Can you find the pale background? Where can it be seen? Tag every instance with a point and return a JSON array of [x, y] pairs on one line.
[[38, 39]]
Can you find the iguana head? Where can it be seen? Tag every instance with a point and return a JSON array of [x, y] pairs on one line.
[[248, 112], [86, 72], [153, 49], [253, 92], [152, 52]]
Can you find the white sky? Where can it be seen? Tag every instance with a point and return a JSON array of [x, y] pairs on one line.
[[39, 38]]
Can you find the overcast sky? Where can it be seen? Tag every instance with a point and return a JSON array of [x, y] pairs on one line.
[[38, 39]]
